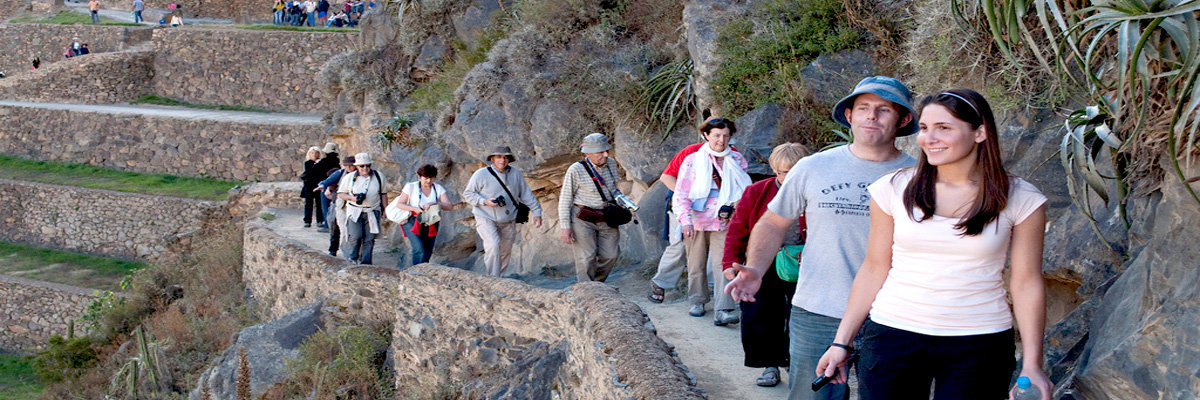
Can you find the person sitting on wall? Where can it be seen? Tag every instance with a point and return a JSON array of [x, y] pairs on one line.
[[339, 20], [74, 48], [176, 20]]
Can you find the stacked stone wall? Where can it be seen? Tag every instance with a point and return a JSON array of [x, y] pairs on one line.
[[276, 70], [93, 79], [110, 137], [247, 201], [32, 311], [11, 8], [102, 222], [49, 41], [452, 327]]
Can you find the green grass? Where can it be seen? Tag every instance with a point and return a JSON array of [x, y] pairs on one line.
[[68, 17], [440, 89], [64, 267], [83, 175], [17, 380], [165, 101], [761, 61], [265, 27]]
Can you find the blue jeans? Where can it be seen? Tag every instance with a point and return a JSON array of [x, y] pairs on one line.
[[279, 17], [809, 335], [422, 246], [137, 16], [95, 17], [360, 242], [312, 18]]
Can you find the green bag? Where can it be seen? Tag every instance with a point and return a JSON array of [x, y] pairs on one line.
[[787, 262]]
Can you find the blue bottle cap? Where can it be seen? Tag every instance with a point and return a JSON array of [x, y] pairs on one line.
[[1024, 383]]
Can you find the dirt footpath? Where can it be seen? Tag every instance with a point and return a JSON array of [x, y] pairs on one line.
[[713, 353]]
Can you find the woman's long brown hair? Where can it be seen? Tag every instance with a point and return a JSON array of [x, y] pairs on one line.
[[994, 183]]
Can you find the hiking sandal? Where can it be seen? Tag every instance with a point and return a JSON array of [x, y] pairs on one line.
[[769, 378], [657, 294]]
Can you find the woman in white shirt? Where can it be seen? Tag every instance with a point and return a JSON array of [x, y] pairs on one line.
[[931, 291], [425, 199]]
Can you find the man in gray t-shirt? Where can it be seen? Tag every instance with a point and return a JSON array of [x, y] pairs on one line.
[[830, 189]]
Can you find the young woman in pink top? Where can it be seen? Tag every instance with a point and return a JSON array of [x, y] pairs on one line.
[[930, 295]]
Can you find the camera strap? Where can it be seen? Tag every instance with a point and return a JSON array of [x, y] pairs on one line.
[[514, 199], [595, 180]]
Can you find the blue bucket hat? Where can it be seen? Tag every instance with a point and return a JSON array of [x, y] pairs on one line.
[[889, 89]]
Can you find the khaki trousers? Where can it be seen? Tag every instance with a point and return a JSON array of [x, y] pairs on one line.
[[703, 247], [597, 246], [674, 257], [498, 240]]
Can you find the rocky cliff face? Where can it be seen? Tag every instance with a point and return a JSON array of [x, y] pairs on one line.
[[538, 92]]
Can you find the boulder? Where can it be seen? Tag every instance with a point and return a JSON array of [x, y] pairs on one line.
[[469, 23], [268, 347], [433, 52], [701, 18], [758, 134], [831, 76], [1143, 339]]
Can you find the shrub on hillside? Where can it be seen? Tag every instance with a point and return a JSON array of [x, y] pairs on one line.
[[343, 362], [763, 54], [65, 358], [192, 305]]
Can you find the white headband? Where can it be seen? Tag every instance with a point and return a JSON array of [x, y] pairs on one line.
[[969, 103]]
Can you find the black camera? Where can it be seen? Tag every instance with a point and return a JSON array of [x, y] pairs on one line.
[[725, 212], [501, 202], [359, 197]]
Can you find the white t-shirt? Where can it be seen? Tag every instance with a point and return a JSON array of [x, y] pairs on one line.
[[943, 283], [418, 199], [353, 183]]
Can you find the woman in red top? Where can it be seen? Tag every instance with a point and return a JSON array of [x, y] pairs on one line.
[[764, 322]]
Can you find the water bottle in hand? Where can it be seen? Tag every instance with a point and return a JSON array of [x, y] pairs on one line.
[[1026, 390]]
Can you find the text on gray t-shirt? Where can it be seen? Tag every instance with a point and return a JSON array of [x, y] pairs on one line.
[[830, 188]]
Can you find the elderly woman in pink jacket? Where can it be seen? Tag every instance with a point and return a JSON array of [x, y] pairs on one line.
[[711, 182]]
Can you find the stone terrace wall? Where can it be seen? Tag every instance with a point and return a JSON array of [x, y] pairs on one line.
[[111, 137], [267, 69], [23, 41], [248, 200], [456, 327], [93, 79], [115, 224], [11, 8], [32, 311]]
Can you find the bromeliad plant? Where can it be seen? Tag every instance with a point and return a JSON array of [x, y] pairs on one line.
[[668, 98], [1139, 61]]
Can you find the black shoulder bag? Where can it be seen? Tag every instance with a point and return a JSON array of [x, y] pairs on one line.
[[522, 209], [614, 214]]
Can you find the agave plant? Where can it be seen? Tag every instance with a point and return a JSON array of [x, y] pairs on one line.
[[1088, 134], [668, 98], [1139, 61], [404, 6]]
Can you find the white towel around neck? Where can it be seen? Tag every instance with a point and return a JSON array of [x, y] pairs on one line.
[[734, 178]]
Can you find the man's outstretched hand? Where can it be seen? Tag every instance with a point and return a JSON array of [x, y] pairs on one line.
[[745, 284]]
